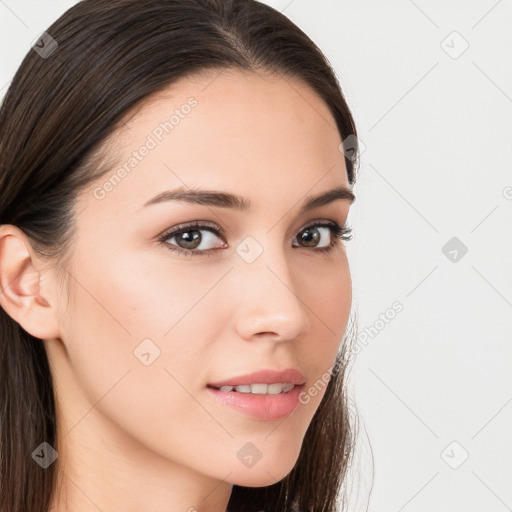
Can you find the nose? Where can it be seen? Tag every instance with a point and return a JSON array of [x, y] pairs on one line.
[[268, 298]]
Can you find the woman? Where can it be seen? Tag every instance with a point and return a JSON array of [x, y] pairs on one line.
[[134, 136]]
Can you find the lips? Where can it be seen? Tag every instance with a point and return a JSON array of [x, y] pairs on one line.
[[263, 376]]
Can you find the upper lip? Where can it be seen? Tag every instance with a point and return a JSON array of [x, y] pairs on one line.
[[263, 376]]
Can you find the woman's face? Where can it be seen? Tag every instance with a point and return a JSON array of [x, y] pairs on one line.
[[146, 327]]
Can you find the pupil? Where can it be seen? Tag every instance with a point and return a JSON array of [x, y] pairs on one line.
[[313, 236], [190, 241]]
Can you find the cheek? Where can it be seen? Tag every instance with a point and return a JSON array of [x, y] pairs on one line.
[[133, 313], [328, 302], [145, 316], [118, 323]]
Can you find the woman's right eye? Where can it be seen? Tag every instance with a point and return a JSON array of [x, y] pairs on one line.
[[191, 240]]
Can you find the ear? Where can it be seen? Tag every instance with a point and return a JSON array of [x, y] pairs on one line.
[[21, 293]]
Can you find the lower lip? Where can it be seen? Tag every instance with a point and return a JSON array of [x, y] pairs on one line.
[[261, 407]]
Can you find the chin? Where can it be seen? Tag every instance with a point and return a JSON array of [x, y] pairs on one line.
[[262, 474]]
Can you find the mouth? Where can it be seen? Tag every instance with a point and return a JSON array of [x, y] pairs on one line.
[[263, 381], [265, 402], [258, 388]]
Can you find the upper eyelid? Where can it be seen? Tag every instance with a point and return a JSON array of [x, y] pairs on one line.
[[200, 225]]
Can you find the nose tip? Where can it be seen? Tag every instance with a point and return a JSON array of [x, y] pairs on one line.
[[273, 309]]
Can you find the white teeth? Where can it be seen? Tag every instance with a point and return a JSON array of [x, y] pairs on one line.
[[259, 389]]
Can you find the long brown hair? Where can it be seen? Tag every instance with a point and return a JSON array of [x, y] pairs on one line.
[[91, 67]]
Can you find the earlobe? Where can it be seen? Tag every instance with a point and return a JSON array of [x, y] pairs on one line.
[[21, 295]]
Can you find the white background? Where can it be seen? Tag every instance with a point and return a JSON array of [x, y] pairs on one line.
[[432, 385]]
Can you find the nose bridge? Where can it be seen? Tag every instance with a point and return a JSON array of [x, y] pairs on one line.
[[269, 301]]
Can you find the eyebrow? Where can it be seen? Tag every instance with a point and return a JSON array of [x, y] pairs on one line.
[[228, 200]]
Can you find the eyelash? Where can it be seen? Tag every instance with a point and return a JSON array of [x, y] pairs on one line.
[[339, 233]]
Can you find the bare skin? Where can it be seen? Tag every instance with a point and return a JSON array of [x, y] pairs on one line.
[[137, 437]]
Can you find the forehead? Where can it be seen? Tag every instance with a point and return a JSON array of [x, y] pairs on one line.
[[232, 130]]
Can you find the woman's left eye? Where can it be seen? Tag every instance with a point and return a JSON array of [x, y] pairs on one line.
[[192, 241]]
